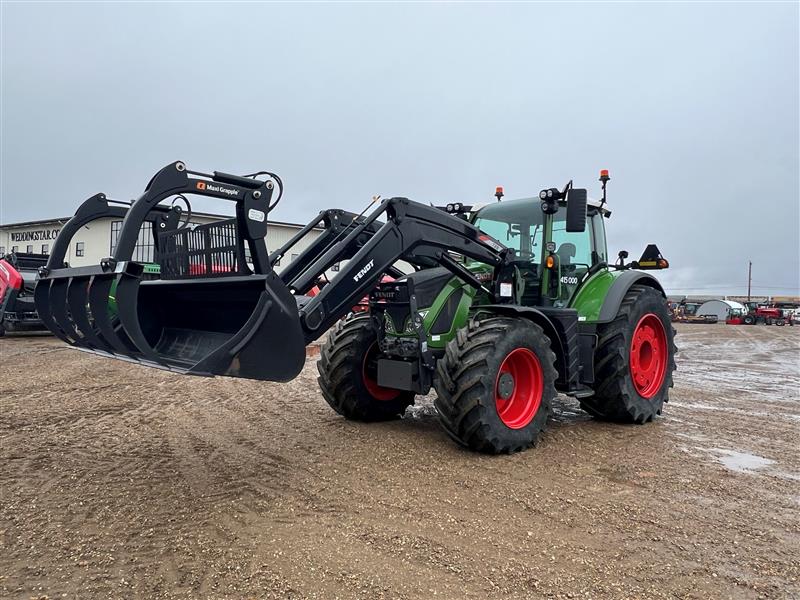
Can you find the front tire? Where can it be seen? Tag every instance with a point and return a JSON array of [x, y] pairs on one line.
[[347, 374], [496, 384], [634, 360]]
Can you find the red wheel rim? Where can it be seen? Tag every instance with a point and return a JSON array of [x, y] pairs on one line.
[[648, 356], [369, 373], [518, 388]]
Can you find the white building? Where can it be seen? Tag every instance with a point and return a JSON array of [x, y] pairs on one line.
[[97, 240], [720, 308]]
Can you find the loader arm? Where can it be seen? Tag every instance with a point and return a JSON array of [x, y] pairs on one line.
[[335, 225], [211, 313], [414, 233]]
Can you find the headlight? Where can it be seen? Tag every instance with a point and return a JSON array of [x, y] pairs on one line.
[[409, 328]]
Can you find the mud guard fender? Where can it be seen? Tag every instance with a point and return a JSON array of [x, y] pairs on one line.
[[620, 287]]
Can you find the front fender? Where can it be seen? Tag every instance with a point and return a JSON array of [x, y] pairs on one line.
[[599, 298], [620, 286]]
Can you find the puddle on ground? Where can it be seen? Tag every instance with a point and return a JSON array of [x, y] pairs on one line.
[[741, 462], [730, 409]]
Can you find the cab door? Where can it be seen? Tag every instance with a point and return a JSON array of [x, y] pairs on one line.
[[577, 252]]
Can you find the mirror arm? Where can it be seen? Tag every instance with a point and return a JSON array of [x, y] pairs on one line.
[[594, 269]]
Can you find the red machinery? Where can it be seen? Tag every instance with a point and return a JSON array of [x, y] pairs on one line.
[[363, 304], [17, 281], [768, 315]]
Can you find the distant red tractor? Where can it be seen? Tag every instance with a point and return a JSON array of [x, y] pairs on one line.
[[17, 281], [768, 315]]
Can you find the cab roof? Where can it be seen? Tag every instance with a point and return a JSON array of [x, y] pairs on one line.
[[590, 202]]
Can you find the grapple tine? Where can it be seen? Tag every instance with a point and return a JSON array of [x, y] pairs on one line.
[[44, 303], [77, 299], [60, 308], [99, 293]]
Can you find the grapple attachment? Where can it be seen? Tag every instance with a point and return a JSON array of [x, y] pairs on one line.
[[208, 304]]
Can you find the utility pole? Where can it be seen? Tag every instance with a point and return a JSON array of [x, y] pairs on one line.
[[749, 279]]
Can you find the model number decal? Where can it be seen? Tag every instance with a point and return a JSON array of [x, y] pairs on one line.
[[491, 243], [569, 280]]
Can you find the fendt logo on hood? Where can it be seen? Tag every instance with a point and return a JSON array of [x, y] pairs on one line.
[[210, 187], [364, 270]]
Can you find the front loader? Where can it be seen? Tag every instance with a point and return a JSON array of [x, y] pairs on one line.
[[506, 306]]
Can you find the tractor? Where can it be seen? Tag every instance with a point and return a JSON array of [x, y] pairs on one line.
[[754, 313], [768, 315], [507, 304], [17, 283]]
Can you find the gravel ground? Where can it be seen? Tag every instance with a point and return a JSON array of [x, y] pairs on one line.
[[118, 481]]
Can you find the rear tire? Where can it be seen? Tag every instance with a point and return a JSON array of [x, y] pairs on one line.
[[495, 385], [780, 322], [347, 374], [634, 360]]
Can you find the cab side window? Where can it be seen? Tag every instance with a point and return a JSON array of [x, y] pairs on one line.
[[595, 221], [573, 249], [574, 252]]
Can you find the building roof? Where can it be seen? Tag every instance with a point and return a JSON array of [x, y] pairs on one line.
[[730, 303], [31, 223], [23, 224]]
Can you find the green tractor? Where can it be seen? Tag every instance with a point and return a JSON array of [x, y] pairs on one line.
[[508, 305], [575, 325]]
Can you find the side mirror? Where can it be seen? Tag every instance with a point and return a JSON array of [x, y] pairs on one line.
[[576, 210], [623, 254]]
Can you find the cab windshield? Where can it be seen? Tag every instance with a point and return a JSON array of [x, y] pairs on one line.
[[518, 224]]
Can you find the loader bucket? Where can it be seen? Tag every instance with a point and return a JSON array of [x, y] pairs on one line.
[[199, 308]]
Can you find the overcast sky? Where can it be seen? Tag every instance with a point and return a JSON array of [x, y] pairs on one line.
[[693, 108]]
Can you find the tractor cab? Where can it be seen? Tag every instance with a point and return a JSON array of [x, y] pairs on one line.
[[551, 258]]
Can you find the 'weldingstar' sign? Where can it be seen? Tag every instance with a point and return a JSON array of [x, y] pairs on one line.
[[34, 236]]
